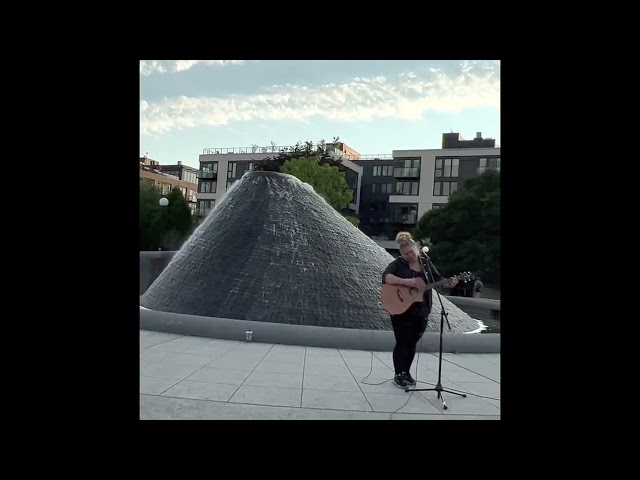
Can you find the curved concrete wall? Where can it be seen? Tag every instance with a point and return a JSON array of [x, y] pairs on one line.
[[151, 266], [311, 336]]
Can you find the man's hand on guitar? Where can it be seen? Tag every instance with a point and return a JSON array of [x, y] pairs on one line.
[[410, 282], [453, 281]]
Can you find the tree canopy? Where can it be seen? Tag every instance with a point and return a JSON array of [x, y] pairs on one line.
[[163, 227], [464, 234], [329, 185], [326, 180], [300, 150]]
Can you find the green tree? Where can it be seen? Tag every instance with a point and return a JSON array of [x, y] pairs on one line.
[[354, 220], [178, 223], [465, 233], [300, 150], [325, 179], [150, 226], [163, 227], [308, 150]]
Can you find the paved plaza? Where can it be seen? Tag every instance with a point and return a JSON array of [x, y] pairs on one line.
[[196, 378]]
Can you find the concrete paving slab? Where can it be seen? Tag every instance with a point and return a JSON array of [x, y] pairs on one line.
[[163, 408], [184, 377], [336, 384], [220, 375], [279, 367], [406, 403], [201, 391], [278, 396], [270, 379], [328, 399]]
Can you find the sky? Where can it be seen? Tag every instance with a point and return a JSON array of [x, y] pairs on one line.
[[374, 106]]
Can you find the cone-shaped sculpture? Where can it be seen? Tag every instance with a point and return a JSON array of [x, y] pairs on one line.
[[273, 250]]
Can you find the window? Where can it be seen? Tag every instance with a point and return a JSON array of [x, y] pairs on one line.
[[382, 188], [407, 168], [209, 170], [231, 170], [493, 164], [205, 206], [189, 177], [407, 214], [230, 182], [444, 188], [208, 187], [447, 167], [383, 171], [407, 188]]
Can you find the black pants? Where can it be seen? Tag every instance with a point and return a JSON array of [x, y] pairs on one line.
[[408, 329]]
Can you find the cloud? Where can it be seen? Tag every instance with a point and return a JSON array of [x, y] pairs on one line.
[[147, 67], [408, 96]]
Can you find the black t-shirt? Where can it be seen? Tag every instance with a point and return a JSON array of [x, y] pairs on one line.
[[400, 268]]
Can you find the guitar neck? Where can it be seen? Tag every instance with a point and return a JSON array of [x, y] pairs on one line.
[[439, 283]]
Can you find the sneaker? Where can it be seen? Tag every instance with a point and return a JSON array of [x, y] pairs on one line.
[[408, 378], [400, 381]]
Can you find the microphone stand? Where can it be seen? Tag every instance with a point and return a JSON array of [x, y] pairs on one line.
[[443, 314]]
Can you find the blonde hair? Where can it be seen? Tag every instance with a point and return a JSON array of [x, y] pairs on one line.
[[404, 239]]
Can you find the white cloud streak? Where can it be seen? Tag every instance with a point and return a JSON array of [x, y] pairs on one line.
[[148, 67], [408, 96]]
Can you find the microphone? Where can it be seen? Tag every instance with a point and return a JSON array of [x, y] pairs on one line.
[[425, 249]]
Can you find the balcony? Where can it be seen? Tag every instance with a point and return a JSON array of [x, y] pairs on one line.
[[207, 174], [406, 172], [481, 170]]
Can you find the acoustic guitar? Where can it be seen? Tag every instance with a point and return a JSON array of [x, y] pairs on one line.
[[397, 299]]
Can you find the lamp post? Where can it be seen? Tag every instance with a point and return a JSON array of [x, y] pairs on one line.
[[164, 201]]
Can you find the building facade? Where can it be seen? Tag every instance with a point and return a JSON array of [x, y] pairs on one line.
[[390, 191], [397, 190], [166, 177], [222, 167]]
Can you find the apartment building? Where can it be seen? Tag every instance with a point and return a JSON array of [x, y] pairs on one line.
[[221, 167], [390, 191], [166, 177], [396, 190]]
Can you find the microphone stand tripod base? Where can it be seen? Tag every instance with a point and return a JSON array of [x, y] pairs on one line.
[[438, 388]]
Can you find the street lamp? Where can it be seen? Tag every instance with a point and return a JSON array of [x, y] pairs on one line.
[[164, 201]]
